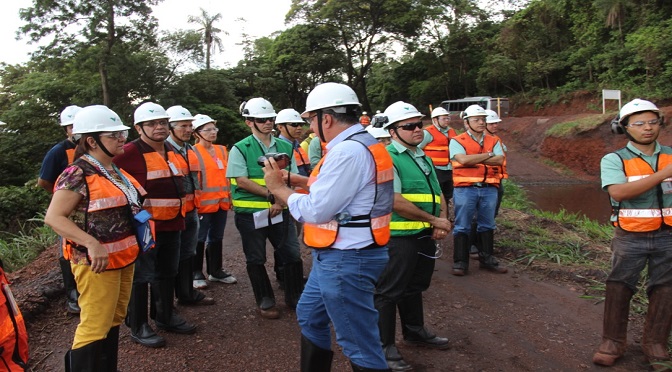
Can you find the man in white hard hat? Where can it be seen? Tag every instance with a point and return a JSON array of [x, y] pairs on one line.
[[346, 221], [477, 161], [435, 144], [181, 129], [419, 219], [259, 217], [290, 125], [638, 180], [53, 164], [155, 165]]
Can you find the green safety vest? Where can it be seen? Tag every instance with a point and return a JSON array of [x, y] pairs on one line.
[[420, 189], [244, 201]]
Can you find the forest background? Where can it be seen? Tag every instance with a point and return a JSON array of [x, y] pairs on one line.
[[419, 51]]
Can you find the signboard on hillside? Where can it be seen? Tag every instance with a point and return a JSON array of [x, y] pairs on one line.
[[610, 94]]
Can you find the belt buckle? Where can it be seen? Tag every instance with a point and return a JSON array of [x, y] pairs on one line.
[[479, 184]]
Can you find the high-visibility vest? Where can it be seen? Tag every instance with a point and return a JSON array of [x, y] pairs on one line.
[[104, 201], [70, 154], [13, 334], [324, 235], [467, 175], [364, 120], [505, 174], [243, 200], [419, 188], [437, 149], [214, 193], [190, 168], [166, 199], [306, 142], [644, 212]]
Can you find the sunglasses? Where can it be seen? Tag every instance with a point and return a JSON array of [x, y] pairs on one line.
[[262, 120], [410, 126], [295, 125], [123, 134]]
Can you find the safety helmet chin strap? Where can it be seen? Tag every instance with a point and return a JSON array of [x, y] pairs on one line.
[[96, 137], [396, 130], [632, 139], [287, 130], [142, 128], [319, 126]]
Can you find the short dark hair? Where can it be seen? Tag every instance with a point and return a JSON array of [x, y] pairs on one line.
[[349, 117]]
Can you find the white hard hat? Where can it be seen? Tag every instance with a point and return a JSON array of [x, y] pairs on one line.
[[97, 118], [378, 132], [200, 120], [68, 115], [257, 108], [635, 106], [492, 117], [289, 116], [178, 113], [149, 111], [399, 111], [473, 110], [331, 95], [439, 111]]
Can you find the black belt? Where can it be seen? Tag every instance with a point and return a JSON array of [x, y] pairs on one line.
[[482, 184]]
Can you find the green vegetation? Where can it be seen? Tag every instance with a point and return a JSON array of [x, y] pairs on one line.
[[570, 128], [19, 249]]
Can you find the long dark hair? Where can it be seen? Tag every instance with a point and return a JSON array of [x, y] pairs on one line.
[[83, 147]]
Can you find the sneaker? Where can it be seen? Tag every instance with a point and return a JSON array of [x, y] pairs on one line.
[[199, 281], [222, 276]]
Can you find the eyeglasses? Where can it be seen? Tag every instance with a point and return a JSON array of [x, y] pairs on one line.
[[410, 126], [154, 123], [209, 130], [295, 125], [639, 124], [184, 127], [310, 119], [263, 120], [122, 134]]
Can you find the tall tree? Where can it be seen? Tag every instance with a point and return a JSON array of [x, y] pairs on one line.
[[97, 23], [210, 39]]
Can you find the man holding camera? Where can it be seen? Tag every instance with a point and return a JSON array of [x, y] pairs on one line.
[[258, 216]]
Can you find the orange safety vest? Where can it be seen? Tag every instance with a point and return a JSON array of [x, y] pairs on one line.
[[302, 160], [215, 193], [364, 120], [167, 199], [324, 235], [103, 198], [644, 213], [70, 153], [188, 168], [437, 149], [13, 334], [467, 175], [505, 174]]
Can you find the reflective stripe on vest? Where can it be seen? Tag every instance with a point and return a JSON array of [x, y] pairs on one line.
[[466, 175], [215, 193], [103, 197], [644, 212], [165, 204], [324, 235], [189, 169], [437, 149]]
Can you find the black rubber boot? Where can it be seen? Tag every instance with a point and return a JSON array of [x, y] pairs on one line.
[[411, 314], [111, 350], [279, 269], [141, 332], [213, 260], [184, 289], [70, 287], [263, 292], [293, 283], [167, 319], [198, 263], [356, 368], [460, 254], [314, 358], [485, 255], [88, 358], [387, 322]]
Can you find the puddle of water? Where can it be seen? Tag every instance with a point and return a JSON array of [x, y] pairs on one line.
[[587, 199]]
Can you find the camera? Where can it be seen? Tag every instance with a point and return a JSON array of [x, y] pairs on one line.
[[280, 158]]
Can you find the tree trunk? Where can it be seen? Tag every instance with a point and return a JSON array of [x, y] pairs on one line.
[[107, 52]]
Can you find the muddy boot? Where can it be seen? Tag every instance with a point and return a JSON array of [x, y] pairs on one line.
[[184, 289], [198, 277], [460, 254], [615, 324], [263, 292], [111, 350], [657, 327], [411, 314], [71, 294], [88, 358], [486, 257], [314, 358], [167, 319], [141, 332], [387, 321], [293, 283], [213, 253]]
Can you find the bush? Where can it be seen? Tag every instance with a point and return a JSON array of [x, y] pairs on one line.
[[20, 204]]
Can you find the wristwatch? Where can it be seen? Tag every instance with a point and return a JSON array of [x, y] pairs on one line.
[[491, 154]]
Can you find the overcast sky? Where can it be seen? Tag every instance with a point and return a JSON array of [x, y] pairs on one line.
[[263, 18]]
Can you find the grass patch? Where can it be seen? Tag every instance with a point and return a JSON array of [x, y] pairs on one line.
[[19, 249], [577, 126]]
